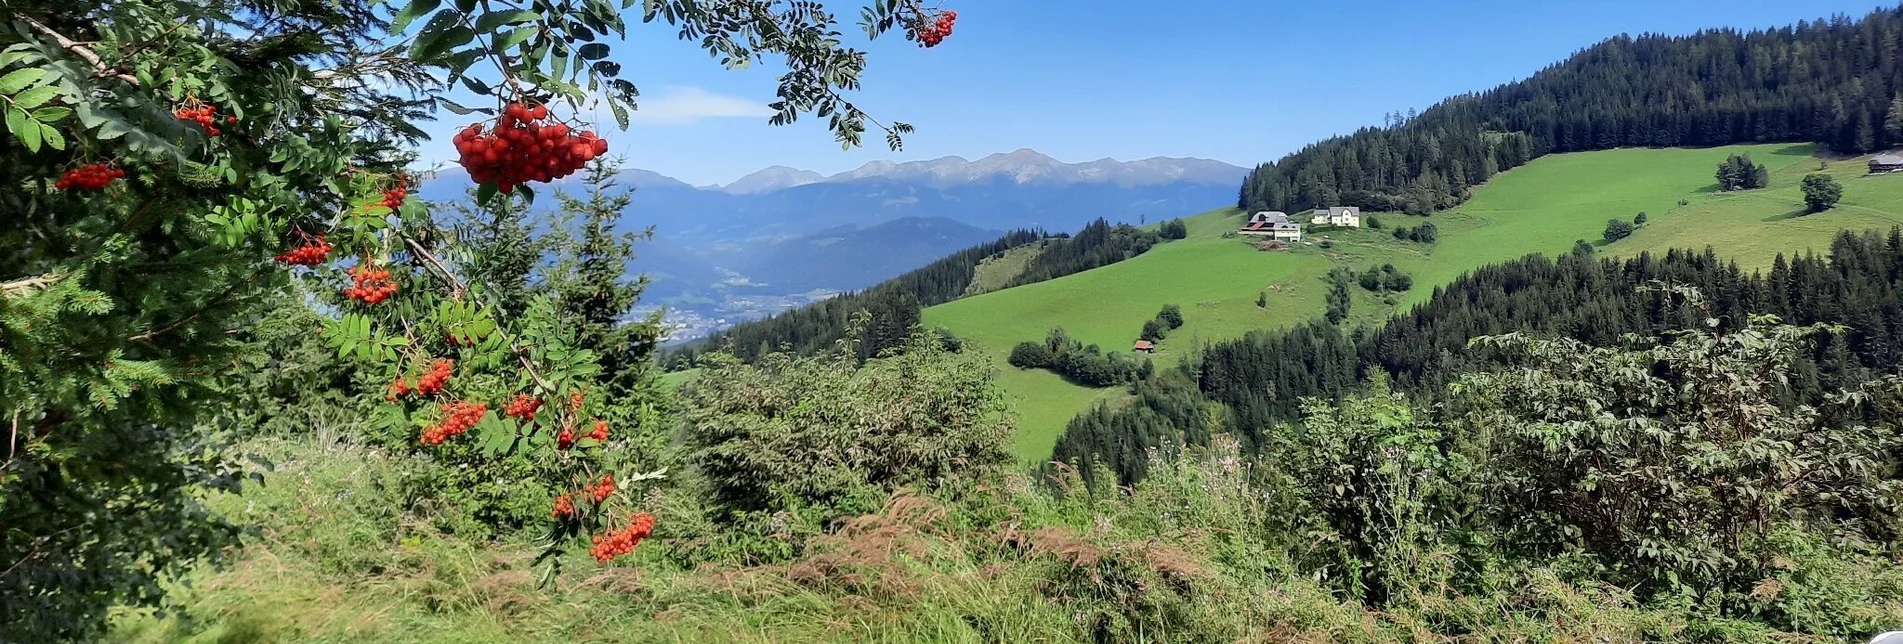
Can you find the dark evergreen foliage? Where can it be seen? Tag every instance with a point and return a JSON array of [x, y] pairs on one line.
[[1174, 229], [1167, 412], [1829, 81], [1339, 299], [1098, 244]]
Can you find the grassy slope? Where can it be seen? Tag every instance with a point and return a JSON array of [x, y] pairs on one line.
[[996, 271], [1754, 226], [1542, 207]]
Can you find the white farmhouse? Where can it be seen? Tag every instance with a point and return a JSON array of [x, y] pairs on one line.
[[1343, 216]]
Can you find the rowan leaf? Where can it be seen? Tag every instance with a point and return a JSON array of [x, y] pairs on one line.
[[409, 14], [52, 137], [20, 79], [35, 97], [514, 37], [24, 128], [490, 22]]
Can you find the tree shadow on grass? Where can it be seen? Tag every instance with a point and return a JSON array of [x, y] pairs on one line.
[[1793, 214], [1706, 190]]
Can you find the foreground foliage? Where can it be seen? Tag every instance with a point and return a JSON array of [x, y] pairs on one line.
[[159, 156]]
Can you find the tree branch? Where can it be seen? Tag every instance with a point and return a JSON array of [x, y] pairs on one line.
[[79, 50], [456, 286], [43, 281]]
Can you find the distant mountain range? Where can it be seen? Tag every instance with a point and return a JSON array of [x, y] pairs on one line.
[[782, 231]]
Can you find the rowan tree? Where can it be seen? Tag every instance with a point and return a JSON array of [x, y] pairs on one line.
[[168, 167]]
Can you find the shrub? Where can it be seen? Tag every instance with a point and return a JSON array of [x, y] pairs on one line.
[[1739, 173], [1617, 229], [1174, 229], [1171, 316], [1030, 355], [812, 432]]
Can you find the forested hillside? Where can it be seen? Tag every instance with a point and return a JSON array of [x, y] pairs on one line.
[[1835, 82], [1262, 379], [895, 305]]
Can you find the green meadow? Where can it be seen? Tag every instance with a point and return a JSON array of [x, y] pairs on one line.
[[1544, 206]]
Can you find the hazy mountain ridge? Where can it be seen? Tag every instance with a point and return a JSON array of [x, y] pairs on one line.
[[783, 231]]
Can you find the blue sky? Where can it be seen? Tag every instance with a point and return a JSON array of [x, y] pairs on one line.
[[1242, 81]]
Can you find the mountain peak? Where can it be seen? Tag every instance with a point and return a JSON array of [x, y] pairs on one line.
[[1025, 165], [772, 178]]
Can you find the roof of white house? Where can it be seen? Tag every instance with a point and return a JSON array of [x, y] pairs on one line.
[[1887, 159]]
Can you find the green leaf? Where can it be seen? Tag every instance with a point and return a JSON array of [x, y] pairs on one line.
[[593, 51], [20, 79], [416, 9], [441, 22], [465, 6], [25, 128], [35, 97], [438, 43], [17, 54], [52, 137], [453, 107], [621, 113], [475, 85], [514, 37], [559, 67], [485, 192], [490, 22], [51, 114]]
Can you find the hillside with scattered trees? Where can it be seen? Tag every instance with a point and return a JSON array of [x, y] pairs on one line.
[[1833, 81]]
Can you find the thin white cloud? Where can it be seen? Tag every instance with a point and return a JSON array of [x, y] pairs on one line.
[[688, 105]]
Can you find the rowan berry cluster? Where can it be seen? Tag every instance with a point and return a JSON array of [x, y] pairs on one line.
[[623, 541], [429, 384], [313, 251], [600, 492], [521, 147], [523, 407], [566, 439], [393, 198], [564, 507], [205, 115], [433, 382], [939, 29], [371, 285], [600, 433], [458, 417], [92, 176]]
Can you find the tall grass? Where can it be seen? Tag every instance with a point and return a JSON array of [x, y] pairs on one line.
[[1196, 554]]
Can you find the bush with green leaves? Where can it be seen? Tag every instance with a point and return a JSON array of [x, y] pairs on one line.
[[827, 433], [1617, 229], [1673, 466]]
